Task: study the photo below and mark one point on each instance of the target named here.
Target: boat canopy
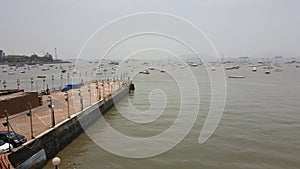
(71, 86)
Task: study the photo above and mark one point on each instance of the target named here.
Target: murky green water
(260, 127)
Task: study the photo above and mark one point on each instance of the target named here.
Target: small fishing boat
(267, 72)
(146, 72)
(45, 68)
(41, 76)
(254, 69)
(63, 71)
(22, 71)
(11, 73)
(193, 64)
(162, 71)
(213, 68)
(236, 67)
(236, 76)
(229, 68)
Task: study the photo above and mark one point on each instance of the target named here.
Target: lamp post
(67, 99)
(119, 88)
(91, 75)
(68, 76)
(56, 162)
(89, 90)
(113, 85)
(31, 86)
(18, 83)
(86, 76)
(103, 90)
(97, 88)
(6, 124)
(111, 89)
(52, 78)
(99, 92)
(50, 105)
(44, 84)
(4, 84)
(29, 114)
(61, 83)
(81, 99)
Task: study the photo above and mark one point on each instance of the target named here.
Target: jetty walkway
(78, 99)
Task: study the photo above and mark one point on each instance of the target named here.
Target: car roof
(5, 132)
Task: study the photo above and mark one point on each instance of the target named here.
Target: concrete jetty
(51, 132)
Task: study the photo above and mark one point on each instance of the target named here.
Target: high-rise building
(2, 55)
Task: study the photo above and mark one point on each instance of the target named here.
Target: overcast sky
(236, 27)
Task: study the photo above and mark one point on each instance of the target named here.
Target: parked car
(5, 147)
(13, 138)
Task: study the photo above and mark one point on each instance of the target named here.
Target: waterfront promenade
(42, 115)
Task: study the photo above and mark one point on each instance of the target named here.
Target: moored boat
(236, 76)
(11, 73)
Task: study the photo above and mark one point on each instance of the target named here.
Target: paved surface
(41, 116)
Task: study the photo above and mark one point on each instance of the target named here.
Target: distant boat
(4, 70)
(11, 73)
(297, 66)
(229, 68)
(193, 64)
(162, 71)
(45, 68)
(213, 68)
(253, 65)
(151, 68)
(254, 69)
(267, 72)
(146, 72)
(236, 76)
(41, 76)
(63, 71)
(22, 71)
(278, 70)
(236, 67)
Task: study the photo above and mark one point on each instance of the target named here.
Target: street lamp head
(4, 124)
(28, 114)
(66, 96)
(56, 161)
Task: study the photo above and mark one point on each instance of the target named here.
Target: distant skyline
(258, 28)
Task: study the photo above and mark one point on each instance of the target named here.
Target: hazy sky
(256, 27)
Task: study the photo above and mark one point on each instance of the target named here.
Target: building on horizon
(2, 55)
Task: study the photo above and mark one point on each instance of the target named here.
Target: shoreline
(32, 63)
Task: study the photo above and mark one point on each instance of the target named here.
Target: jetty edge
(36, 152)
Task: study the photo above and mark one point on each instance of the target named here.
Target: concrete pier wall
(55, 139)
